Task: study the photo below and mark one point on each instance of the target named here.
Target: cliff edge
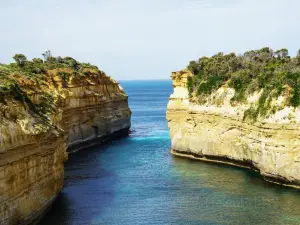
(46, 108)
(237, 118)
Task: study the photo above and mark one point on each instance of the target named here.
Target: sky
(145, 39)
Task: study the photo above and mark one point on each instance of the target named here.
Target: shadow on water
(232, 195)
(136, 180)
(250, 176)
(80, 200)
(60, 210)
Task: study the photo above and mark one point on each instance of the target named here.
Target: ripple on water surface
(136, 181)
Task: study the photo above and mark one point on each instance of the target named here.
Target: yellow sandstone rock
(215, 131)
(33, 149)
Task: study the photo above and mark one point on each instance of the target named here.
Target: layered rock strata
(216, 131)
(33, 147)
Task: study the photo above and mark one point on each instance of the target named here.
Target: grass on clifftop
(23, 79)
(275, 73)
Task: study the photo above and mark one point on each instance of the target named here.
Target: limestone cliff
(41, 117)
(216, 131)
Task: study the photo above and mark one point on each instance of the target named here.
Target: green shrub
(247, 73)
(190, 85)
(64, 76)
(295, 101)
(20, 59)
(21, 79)
(212, 83)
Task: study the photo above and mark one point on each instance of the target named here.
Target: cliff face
(217, 131)
(36, 130)
(94, 112)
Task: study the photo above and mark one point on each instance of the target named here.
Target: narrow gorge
(47, 109)
(240, 110)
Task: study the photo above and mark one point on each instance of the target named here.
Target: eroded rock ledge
(81, 111)
(215, 131)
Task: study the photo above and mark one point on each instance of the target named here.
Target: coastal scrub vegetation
(274, 73)
(24, 80)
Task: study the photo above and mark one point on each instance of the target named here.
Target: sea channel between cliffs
(46, 108)
(135, 180)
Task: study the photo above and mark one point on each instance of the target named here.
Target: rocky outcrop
(82, 111)
(216, 131)
(95, 112)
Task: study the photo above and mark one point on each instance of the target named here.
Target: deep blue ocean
(136, 181)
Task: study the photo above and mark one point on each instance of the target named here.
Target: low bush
(253, 71)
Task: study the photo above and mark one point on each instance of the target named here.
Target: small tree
(193, 67)
(282, 53)
(298, 53)
(285, 53)
(71, 62)
(20, 59)
(47, 55)
(37, 60)
(59, 59)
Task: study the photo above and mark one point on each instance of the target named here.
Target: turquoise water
(136, 181)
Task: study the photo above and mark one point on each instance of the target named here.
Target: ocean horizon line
(145, 80)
